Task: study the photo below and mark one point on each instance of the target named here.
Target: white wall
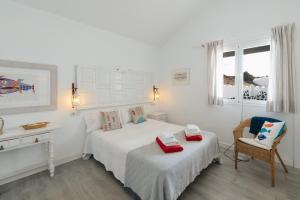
(31, 35)
(230, 20)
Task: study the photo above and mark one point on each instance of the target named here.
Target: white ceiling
(151, 21)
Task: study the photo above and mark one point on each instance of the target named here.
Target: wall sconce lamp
(155, 93)
(75, 97)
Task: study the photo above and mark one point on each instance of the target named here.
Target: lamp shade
(75, 100)
(75, 97)
(155, 93)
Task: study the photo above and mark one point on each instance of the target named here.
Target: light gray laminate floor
(88, 180)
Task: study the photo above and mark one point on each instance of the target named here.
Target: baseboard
(33, 169)
(286, 161)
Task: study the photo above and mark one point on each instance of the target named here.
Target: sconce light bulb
(155, 93)
(75, 100)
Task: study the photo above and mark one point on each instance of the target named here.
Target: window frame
(227, 48)
(239, 47)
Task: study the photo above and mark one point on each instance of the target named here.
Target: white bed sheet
(111, 148)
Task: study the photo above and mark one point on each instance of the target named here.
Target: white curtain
(215, 72)
(282, 95)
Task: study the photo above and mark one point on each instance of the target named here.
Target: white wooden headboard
(104, 87)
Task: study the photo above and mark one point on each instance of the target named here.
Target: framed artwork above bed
(27, 87)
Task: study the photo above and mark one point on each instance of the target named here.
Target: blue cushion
(257, 123)
(140, 119)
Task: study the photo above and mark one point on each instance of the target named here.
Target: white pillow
(125, 115)
(268, 133)
(92, 121)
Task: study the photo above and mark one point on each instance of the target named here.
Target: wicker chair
(267, 155)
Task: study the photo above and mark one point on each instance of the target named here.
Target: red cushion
(168, 149)
(193, 138)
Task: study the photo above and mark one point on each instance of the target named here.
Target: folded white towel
(192, 133)
(192, 128)
(166, 135)
(168, 139)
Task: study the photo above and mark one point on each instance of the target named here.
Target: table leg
(51, 158)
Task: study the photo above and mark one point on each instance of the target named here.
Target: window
(256, 73)
(229, 72)
(246, 72)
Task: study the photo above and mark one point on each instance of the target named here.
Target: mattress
(114, 148)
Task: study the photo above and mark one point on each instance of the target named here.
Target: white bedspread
(111, 148)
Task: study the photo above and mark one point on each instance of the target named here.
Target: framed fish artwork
(27, 87)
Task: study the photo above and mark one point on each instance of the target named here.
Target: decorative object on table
(27, 87)
(155, 93)
(160, 116)
(255, 149)
(35, 125)
(181, 76)
(1, 125)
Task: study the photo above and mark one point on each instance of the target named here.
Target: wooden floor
(88, 180)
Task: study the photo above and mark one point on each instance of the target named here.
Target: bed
(135, 159)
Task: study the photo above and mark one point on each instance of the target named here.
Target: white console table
(17, 138)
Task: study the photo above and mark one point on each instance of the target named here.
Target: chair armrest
(277, 140)
(238, 131)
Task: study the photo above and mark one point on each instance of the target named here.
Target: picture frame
(181, 76)
(27, 87)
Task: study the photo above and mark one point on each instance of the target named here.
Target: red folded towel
(168, 149)
(193, 138)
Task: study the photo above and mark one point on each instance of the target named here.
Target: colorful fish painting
(8, 86)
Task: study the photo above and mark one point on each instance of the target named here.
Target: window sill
(230, 102)
(245, 103)
(255, 103)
